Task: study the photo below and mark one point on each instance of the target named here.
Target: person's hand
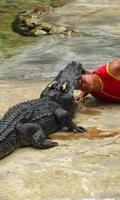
(80, 98)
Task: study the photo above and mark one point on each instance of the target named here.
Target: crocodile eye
(64, 87)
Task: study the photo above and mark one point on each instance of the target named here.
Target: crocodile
(34, 24)
(30, 123)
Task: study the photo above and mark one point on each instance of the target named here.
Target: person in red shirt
(103, 84)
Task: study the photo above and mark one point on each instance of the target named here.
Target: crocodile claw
(79, 129)
(48, 144)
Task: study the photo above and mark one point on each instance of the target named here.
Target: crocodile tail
(8, 134)
(8, 145)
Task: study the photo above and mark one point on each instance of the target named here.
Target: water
(96, 42)
(9, 41)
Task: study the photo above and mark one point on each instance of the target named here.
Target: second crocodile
(34, 23)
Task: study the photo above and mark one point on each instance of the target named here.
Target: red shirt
(110, 85)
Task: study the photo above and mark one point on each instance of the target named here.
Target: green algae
(10, 41)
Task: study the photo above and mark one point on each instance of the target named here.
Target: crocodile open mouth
(65, 82)
(77, 85)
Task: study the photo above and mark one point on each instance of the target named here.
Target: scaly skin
(33, 24)
(29, 123)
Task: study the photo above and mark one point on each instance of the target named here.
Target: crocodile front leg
(65, 119)
(32, 134)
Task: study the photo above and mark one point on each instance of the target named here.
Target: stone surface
(82, 166)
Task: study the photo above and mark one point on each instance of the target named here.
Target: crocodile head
(61, 90)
